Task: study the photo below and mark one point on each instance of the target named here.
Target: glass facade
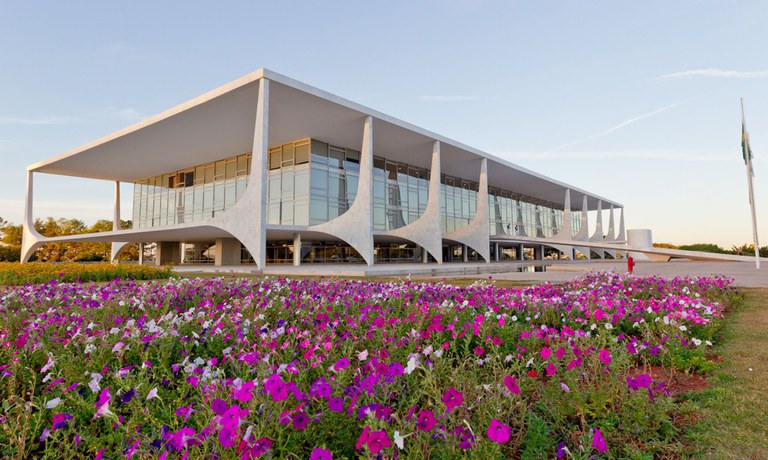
(310, 182)
(459, 202)
(400, 193)
(514, 214)
(190, 195)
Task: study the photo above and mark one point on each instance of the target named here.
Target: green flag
(745, 150)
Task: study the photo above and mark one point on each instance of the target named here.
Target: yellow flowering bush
(13, 273)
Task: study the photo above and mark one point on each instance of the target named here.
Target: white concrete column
(598, 235)
(496, 252)
(355, 226)
(427, 230)
(566, 231)
(227, 252)
(464, 253)
(622, 236)
(477, 234)
(611, 228)
(247, 219)
(117, 247)
(297, 249)
(30, 239)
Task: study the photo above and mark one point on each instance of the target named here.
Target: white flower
(399, 440)
(152, 394)
(411, 366)
(48, 365)
(363, 355)
(52, 403)
(683, 328)
(696, 341)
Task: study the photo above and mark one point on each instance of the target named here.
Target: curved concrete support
(30, 239)
(598, 235)
(611, 228)
(247, 219)
(355, 226)
(477, 233)
(427, 231)
(583, 234)
(566, 233)
(622, 236)
(117, 249)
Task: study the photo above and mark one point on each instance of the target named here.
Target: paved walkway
(744, 273)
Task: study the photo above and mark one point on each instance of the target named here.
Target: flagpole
(748, 161)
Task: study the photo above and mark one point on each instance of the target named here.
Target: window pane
(302, 153)
(319, 152)
(275, 158)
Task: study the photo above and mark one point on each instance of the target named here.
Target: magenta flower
(479, 351)
(551, 369)
(102, 404)
(545, 353)
(219, 406)
(452, 399)
(377, 441)
(336, 404)
(605, 357)
(498, 432)
(260, 447)
(244, 393)
(60, 421)
(300, 421)
(363, 439)
(511, 385)
(320, 454)
(425, 421)
(598, 442)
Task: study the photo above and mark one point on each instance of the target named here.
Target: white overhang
(220, 124)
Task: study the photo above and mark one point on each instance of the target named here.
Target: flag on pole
(746, 151)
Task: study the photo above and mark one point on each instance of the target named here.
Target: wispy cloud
(41, 120)
(617, 127)
(127, 114)
(455, 98)
(715, 72)
(625, 154)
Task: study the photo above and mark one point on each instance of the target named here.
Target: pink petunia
(605, 357)
(378, 441)
(551, 369)
(425, 421)
(511, 385)
(320, 454)
(452, 399)
(498, 432)
(598, 441)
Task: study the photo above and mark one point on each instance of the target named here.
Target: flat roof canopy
(220, 124)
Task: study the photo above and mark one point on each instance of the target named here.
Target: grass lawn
(734, 423)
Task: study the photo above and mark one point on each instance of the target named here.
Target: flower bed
(215, 368)
(13, 273)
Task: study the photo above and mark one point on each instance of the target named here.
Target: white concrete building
(269, 170)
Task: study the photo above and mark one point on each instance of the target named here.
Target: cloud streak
(626, 154)
(715, 72)
(617, 127)
(42, 120)
(455, 98)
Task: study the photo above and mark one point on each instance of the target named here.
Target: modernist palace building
(268, 170)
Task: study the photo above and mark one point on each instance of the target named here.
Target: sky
(634, 101)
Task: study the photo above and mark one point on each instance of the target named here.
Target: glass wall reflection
(190, 195)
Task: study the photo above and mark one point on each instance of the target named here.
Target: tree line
(10, 243)
(743, 250)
